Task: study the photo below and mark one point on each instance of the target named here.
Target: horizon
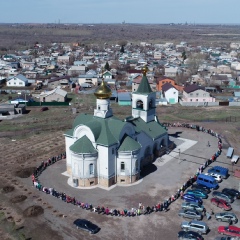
(130, 11)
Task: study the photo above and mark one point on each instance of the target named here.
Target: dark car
(198, 193)
(225, 238)
(232, 192)
(201, 187)
(226, 217)
(189, 235)
(223, 196)
(189, 213)
(44, 109)
(86, 225)
(191, 198)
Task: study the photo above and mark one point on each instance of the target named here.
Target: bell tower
(144, 100)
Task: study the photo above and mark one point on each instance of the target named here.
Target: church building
(104, 150)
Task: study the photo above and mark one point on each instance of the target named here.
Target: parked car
(208, 181)
(194, 206)
(44, 109)
(189, 235)
(232, 192)
(216, 176)
(190, 213)
(221, 204)
(197, 226)
(198, 193)
(226, 238)
(223, 196)
(219, 170)
(230, 231)
(86, 225)
(226, 217)
(201, 187)
(191, 198)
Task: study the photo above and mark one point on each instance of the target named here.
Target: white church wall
(68, 142)
(102, 161)
(111, 161)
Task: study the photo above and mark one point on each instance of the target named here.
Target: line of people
(141, 209)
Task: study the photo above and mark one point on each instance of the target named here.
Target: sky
(117, 11)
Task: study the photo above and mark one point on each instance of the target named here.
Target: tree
(107, 67)
(122, 49)
(194, 62)
(184, 55)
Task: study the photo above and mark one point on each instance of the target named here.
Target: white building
(170, 93)
(102, 149)
(17, 81)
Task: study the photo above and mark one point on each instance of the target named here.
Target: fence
(37, 104)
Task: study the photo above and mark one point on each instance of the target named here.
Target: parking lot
(160, 181)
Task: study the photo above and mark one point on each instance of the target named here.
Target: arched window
(140, 104)
(147, 151)
(122, 167)
(91, 168)
(150, 105)
(136, 165)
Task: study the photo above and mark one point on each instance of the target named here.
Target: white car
(215, 176)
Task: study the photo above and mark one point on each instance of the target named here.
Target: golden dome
(103, 91)
(144, 70)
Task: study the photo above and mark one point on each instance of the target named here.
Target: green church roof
(106, 131)
(83, 145)
(144, 86)
(129, 144)
(153, 129)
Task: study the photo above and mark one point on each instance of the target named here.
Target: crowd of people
(140, 209)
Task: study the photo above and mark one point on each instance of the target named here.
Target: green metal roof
(144, 87)
(69, 132)
(83, 145)
(153, 129)
(129, 144)
(106, 131)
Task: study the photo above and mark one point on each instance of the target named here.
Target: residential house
(197, 79)
(157, 55)
(56, 95)
(195, 93)
(224, 69)
(107, 75)
(63, 59)
(17, 81)
(124, 99)
(170, 93)
(218, 79)
(12, 109)
(27, 65)
(88, 78)
(171, 71)
(77, 69)
(162, 80)
(235, 66)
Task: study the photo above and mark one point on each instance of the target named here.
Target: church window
(140, 104)
(98, 107)
(91, 170)
(150, 104)
(122, 166)
(112, 150)
(136, 165)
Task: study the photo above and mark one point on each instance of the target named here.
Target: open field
(22, 36)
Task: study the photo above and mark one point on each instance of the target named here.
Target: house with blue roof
(17, 81)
